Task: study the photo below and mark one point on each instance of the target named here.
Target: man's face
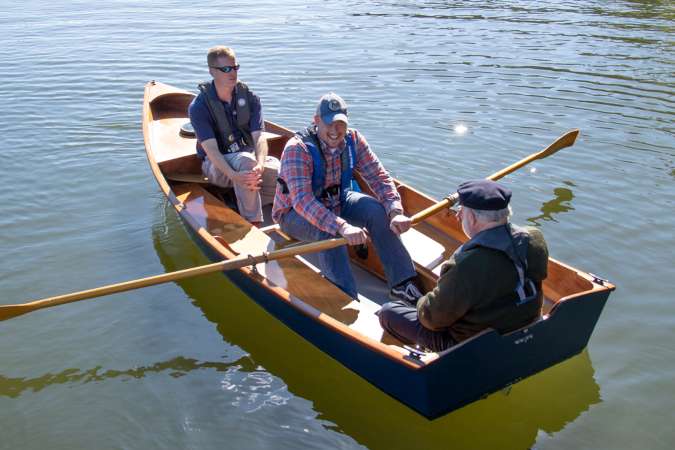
(227, 79)
(332, 134)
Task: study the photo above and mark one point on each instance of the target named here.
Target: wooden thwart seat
(188, 178)
(424, 251)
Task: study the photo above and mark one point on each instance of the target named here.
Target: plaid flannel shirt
(296, 170)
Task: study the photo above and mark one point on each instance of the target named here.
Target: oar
(9, 311)
(566, 140)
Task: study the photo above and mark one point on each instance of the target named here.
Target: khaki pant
(249, 202)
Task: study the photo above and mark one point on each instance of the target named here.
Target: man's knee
(215, 176)
(246, 161)
(387, 314)
(368, 210)
(377, 215)
(299, 228)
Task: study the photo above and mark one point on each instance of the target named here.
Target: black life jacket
(231, 137)
(513, 241)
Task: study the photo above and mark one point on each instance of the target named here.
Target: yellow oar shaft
(563, 141)
(9, 311)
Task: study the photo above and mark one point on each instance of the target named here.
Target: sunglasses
(226, 69)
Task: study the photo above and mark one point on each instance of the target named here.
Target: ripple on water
(80, 208)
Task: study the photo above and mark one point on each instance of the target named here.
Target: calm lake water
(198, 365)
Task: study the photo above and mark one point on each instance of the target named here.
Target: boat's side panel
(491, 361)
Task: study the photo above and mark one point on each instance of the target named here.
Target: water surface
(198, 364)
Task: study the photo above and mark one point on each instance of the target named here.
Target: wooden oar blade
(566, 140)
(11, 311)
(563, 141)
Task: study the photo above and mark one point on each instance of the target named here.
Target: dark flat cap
(483, 194)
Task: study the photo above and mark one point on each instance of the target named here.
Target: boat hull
(431, 384)
(481, 366)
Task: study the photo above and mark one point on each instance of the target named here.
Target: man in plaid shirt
(315, 200)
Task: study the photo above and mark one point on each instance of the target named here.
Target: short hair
(487, 216)
(218, 51)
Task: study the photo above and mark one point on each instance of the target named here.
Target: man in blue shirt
(227, 119)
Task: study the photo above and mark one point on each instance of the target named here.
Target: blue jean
(362, 211)
(401, 321)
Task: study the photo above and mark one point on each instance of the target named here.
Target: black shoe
(407, 292)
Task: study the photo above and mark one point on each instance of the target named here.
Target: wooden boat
(293, 290)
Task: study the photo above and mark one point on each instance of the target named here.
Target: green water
(198, 364)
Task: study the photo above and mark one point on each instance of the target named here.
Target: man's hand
(250, 179)
(259, 168)
(400, 223)
(354, 235)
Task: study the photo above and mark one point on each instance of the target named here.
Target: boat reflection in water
(15, 387)
(560, 204)
(544, 402)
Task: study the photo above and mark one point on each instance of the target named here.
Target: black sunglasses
(226, 69)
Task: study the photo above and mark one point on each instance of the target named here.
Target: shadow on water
(560, 204)
(349, 404)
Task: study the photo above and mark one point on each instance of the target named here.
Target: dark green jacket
(476, 290)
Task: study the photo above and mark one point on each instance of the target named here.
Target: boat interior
(210, 210)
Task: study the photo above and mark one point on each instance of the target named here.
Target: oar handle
(9, 311)
(563, 141)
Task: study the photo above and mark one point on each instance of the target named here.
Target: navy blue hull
(458, 377)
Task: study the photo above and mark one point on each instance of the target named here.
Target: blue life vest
(347, 159)
(513, 241)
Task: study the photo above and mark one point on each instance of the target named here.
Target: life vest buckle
(331, 191)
